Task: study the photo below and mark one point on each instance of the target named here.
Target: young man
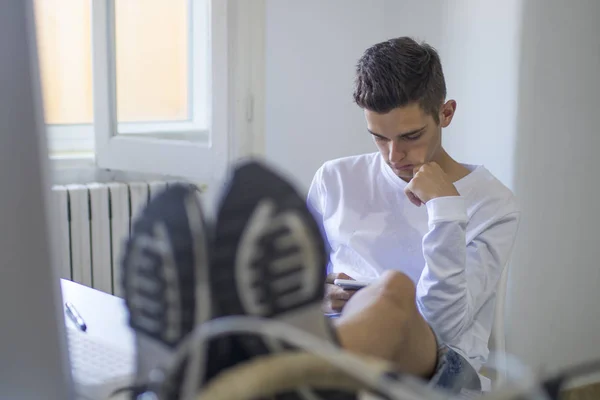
(263, 256)
(410, 207)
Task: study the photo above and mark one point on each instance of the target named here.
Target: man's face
(407, 137)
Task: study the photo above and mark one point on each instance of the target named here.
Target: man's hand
(429, 182)
(336, 297)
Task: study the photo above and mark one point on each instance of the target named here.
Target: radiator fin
(92, 223)
(81, 249)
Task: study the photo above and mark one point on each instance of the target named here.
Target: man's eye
(414, 136)
(380, 139)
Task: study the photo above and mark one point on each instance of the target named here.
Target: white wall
(312, 48)
(554, 310)
(480, 56)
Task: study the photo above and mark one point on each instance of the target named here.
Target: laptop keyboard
(94, 363)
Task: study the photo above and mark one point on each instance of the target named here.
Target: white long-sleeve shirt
(454, 249)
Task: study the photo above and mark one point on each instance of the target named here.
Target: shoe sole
(259, 203)
(166, 282)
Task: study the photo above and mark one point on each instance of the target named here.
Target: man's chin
(403, 174)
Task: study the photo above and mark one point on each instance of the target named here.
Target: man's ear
(447, 113)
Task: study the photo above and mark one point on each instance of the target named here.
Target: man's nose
(397, 151)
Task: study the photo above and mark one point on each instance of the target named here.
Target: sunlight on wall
(152, 60)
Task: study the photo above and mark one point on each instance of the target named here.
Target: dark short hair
(399, 72)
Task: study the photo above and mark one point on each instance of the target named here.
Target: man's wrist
(450, 192)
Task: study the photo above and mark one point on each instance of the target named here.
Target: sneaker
(167, 291)
(269, 260)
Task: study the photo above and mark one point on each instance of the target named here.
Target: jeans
(453, 372)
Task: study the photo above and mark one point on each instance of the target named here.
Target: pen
(75, 316)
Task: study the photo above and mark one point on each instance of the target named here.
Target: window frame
(235, 102)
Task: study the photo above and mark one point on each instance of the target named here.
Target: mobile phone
(350, 284)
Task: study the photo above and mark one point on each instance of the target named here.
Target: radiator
(92, 223)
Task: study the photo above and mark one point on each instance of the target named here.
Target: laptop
(101, 357)
(41, 355)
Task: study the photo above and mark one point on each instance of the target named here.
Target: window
(151, 85)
